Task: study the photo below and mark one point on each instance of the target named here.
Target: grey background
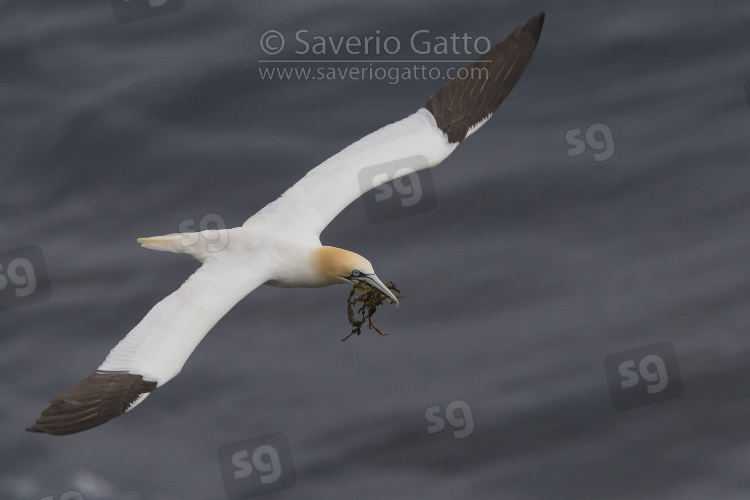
(533, 267)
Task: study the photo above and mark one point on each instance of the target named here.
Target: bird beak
(373, 280)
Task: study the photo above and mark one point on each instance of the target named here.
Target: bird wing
(419, 141)
(156, 349)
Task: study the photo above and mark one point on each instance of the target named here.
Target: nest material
(370, 299)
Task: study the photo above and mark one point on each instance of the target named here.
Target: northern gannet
(280, 245)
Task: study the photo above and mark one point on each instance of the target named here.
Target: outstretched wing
(419, 141)
(156, 349)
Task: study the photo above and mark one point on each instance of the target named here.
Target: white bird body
(277, 246)
(280, 245)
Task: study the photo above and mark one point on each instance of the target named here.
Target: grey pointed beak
(373, 280)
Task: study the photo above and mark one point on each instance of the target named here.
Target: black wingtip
(98, 398)
(467, 101)
(534, 25)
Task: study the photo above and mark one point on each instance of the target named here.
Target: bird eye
(356, 273)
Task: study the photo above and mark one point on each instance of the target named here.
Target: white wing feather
(313, 202)
(161, 343)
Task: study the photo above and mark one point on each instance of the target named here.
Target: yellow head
(336, 265)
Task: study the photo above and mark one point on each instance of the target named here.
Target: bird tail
(198, 245)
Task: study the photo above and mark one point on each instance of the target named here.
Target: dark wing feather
(100, 397)
(464, 102)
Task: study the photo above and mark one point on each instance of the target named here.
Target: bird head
(342, 266)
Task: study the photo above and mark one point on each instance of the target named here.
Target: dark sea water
(535, 274)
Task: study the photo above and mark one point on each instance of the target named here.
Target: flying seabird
(280, 245)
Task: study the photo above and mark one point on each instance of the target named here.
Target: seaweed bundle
(370, 299)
